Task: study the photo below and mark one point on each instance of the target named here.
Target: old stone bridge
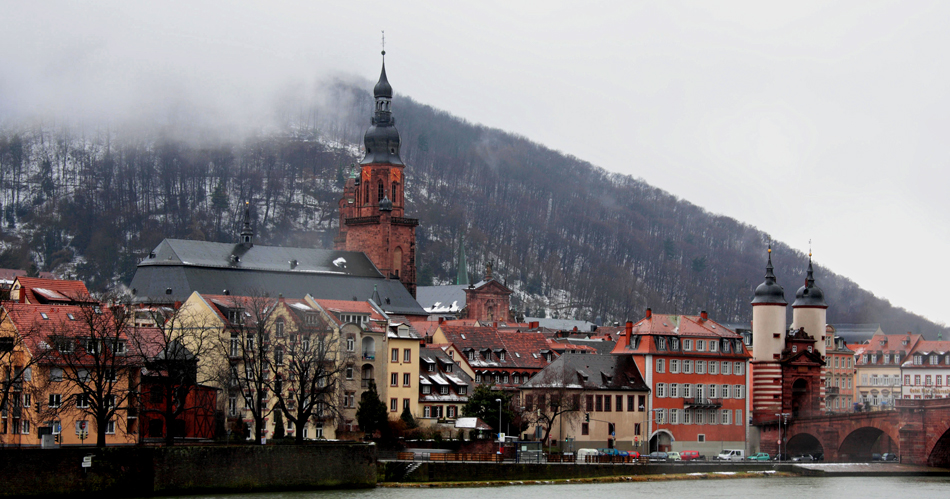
(918, 431)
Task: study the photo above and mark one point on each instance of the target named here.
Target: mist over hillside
(573, 240)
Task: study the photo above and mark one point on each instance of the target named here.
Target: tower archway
(860, 444)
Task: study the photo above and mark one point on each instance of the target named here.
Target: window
(394, 355)
(674, 390)
(27, 400)
(607, 403)
(502, 356)
(450, 412)
(427, 411)
(724, 391)
(55, 374)
(110, 427)
(674, 344)
(279, 328)
(349, 372)
(478, 378)
(234, 346)
(405, 404)
(674, 416)
(713, 366)
(687, 417)
(599, 407)
(700, 367)
(443, 389)
(279, 355)
(739, 391)
(726, 367)
(661, 416)
(927, 380)
(118, 347)
(393, 404)
(918, 360)
(232, 405)
(701, 437)
(712, 391)
(55, 400)
(688, 366)
(82, 401)
(631, 403)
(426, 389)
(713, 345)
(688, 345)
(619, 404)
(661, 390)
(687, 391)
(916, 380)
(874, 358)
(25, 428)
(933, 360)
(699, 391)
(394, 379)
(585, 428)
(405, 379)
(738, 369)
(739, 416)
(674, 366)
(462, 390)
(641, 403)
(698, 419)
(700, 345)
(659, 366)
(350, 343)
(407, 355)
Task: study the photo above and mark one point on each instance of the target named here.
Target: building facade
(877, 377)
(926, 371)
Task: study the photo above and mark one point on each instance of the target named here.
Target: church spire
(769, 292)
(381, 140)
(462, 277)
(247, 234)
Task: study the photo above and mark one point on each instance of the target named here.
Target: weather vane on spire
(384, 42)
(770, 243)
(809, 248)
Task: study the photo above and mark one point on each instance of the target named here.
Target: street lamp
(499, 425)
(782, 421)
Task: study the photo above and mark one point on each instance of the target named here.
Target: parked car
(634, 455)
(658, 457)
(692, 455)
(804, 458)
(890, 456)
(673, 456)
(876, 457)
(780, 457)
(760, 456)
(731, 455)
(582, 454)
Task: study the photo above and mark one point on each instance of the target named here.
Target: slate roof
(441, 299)
(562, 324)
(926, 348)
(856, 333)
(590, 372)
(186, 266)
(454, 379)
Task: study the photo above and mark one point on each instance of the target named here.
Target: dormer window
(918, 360)
(674, 344)
(501, 356)
(236, 316)
(933, 360)
(874, 358)
(661, 343)
(887, 358)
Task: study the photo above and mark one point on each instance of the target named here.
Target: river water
(770, 488)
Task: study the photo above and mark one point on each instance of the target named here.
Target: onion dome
(381, 140)
(385, 204)
(769, 292)
(383, 88)
(809, 295)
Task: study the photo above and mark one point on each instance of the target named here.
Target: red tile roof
(523, 350)
(674, 326)
(37, 290)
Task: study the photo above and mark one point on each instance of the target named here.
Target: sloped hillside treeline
(570, 238)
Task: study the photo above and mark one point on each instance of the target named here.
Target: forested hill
(571, 239)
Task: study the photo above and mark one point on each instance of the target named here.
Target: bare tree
(551, 394)
(247, 346)
(170, 350)
(21, 350)
(90, 366)
(310, 361)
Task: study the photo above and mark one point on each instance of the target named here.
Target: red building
(697, 369)
(372, 209)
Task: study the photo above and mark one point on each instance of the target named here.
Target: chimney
(177, 305)
(704, 316)
(441, 320)
(534, 324)
(649, 313)
(629, 328)
(494, 324)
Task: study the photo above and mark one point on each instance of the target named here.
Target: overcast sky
(822, 121)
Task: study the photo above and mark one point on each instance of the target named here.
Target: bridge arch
(938, 450)
(864, 441)
(804, 443)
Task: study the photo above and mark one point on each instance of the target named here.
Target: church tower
(809, 309)
(372, 209)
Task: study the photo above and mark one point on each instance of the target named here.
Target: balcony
(702, 403)
(831, 390)
(369, 356)
(372, 220)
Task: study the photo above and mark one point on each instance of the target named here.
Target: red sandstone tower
(372, 209)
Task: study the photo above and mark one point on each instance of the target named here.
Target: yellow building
(877, 377)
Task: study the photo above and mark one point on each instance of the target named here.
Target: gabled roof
(442, 299)
(590, 372)
(927, 347)
(676, 326)
(37, 290)
(523, 350)
(336, 308)
(888, 343)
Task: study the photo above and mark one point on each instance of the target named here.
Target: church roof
(178, 267)
(442, 299)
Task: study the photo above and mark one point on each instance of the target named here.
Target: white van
(731, 455)
(583, 453)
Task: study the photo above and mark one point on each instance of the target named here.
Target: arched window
(369, 348)
(397, 261)
(395, 190)
(380, 198)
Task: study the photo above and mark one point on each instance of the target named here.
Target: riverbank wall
(142, 471)
(423, 471)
